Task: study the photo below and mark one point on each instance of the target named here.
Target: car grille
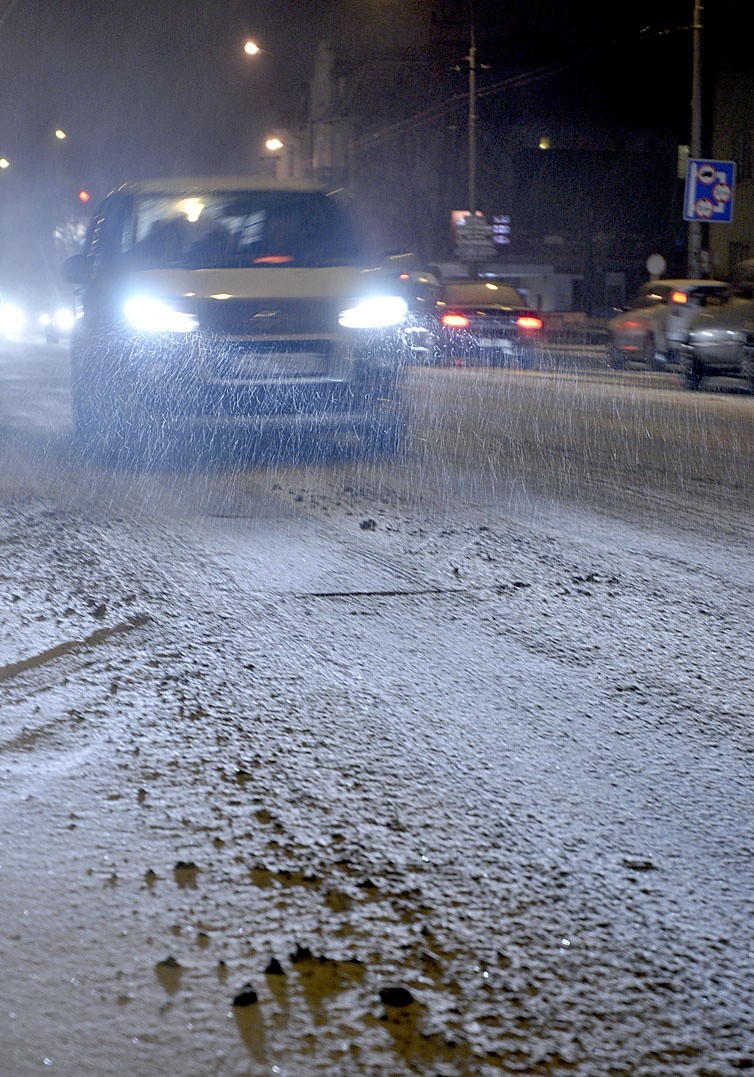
(267, 318)
(270, 360)
(268, 341)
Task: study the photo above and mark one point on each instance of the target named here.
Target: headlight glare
(63, 319)
(12, 319)
(376, 312)
(151, 315)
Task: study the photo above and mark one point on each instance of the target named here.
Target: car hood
(322, 282)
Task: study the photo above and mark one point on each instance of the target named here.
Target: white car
(216, 303)
(655, 324)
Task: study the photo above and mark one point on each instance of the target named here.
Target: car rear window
(482, 293)
(264, 229)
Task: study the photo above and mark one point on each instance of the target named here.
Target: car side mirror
(76, 269)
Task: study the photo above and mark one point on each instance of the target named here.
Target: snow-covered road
(430, 767)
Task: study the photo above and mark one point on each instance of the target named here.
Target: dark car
(56, 323)
(216, 303)
(486, 322)
(422, 291)
(720, 339)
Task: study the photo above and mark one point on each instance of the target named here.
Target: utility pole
(694, 258)
(472, 112)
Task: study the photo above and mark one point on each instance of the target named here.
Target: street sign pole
(694, 254)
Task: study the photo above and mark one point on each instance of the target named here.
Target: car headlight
(62, 319)
(12, 319)
(376, 312)
(151, 315)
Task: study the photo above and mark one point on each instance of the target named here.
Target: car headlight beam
(12, 319)
(375, 312)
(151, 315)
(63, 319)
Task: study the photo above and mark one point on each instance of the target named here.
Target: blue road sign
(709, 191)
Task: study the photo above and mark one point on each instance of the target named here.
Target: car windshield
(650, 299)
(242, 228)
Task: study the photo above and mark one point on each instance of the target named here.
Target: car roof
(207, 184)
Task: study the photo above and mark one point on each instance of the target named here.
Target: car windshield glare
(223, 230)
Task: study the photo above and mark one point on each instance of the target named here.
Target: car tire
(693, 371)
(648, 352)
(387, 438)
(526, 357)
(747, 367)
(107, 421)
(615, 358)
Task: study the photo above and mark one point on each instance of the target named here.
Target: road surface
(440, 765)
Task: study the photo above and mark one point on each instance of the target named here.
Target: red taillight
(679, 297)
(455, 321)
(529, 322)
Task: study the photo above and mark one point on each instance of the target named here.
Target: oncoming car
(56, 324)
(245, 303)
(651, 330)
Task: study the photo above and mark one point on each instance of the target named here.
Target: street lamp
(251, 48)
(289, 150)
(4, 162)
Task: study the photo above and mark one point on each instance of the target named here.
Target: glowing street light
(290, 150)
(60, 134)
(4, 162)
(251, 48)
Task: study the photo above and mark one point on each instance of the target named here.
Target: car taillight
(455, 321)
(679, 297)
(529, 321)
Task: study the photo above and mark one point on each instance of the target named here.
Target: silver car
(720, 339)
(651, 330)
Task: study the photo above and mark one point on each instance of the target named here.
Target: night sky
(154, 87)
(146, 86)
